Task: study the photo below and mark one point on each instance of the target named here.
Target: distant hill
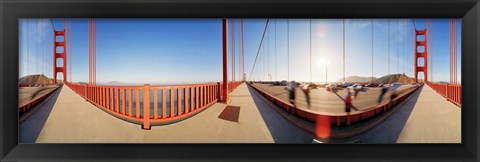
(357, 79)
(400, 78)
(35, 79)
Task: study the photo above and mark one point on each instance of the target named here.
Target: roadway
(28, 94)
(327, 102)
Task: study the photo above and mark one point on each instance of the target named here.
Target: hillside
(35, 79)
(400, 78)
(357, 79)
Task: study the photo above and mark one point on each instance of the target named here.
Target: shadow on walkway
(388, 131)
(33, 124)
(37, 92)
(280, 128)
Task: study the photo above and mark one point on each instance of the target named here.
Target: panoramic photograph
(298, 81)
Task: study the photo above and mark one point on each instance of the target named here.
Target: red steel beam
(225, 59)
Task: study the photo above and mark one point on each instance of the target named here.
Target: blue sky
(177, 51)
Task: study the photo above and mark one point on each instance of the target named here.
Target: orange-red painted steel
(452, 92)
(225, 60)
(62, 55)
(423, 54)
(113, 99)
(27, 106)
(337, 120)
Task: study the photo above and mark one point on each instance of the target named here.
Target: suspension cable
(36, 42)
(258, 51)
(310, 50)
(343, 50)
(243, 52)
(414, 26)
(388, 40)
(28, 49)
(233, 49)
(268, 54)
(398, 47)
(41, 46)
(275, 49)
(288, 49)
(372, 50)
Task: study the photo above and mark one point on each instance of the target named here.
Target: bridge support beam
(225, 60)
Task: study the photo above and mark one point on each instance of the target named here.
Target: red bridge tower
(418, 54)
(62, 55)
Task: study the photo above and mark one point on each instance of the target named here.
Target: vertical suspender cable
(404, 45)
(398, 47)
(36, 41)
(388, 40)
(372, 50)
(275, 49)
(28, 50)
(94, 52)
(310, 50)
(45, 48)
(343, 50)
(70, 49)
(243, 53)
(89, 51)
(65, 49)
(233, 50)
(288, 50)
(41, 46)
(455, 51)
(450, 35)
(451, 51)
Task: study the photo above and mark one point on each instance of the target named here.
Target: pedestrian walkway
(433, 120)
(70, 119)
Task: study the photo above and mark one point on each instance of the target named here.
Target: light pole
(323, 62)
(326, 80)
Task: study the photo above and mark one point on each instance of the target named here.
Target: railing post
(86, 93)
(446, 92)
(218, 92)
(146, 107)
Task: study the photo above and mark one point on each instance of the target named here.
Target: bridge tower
(60, 55)
(424, 54)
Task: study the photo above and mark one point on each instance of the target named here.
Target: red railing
(234, 85)
(336, 118)
(452, 92)
(27, 106)
(167, 104)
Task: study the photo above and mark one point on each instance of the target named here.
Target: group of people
(348, 96)
(291, 94)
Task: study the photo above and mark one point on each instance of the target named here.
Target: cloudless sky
(178, 51)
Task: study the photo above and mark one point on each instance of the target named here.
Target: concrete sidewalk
(73, 120)
(433, 120)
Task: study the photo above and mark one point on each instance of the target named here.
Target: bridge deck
(432, 120)
(326, 102)
(28, 94)
(68, 118)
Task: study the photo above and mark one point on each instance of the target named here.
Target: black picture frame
(12, 10)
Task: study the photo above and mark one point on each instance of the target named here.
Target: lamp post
(324, 62)
(326, 74)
